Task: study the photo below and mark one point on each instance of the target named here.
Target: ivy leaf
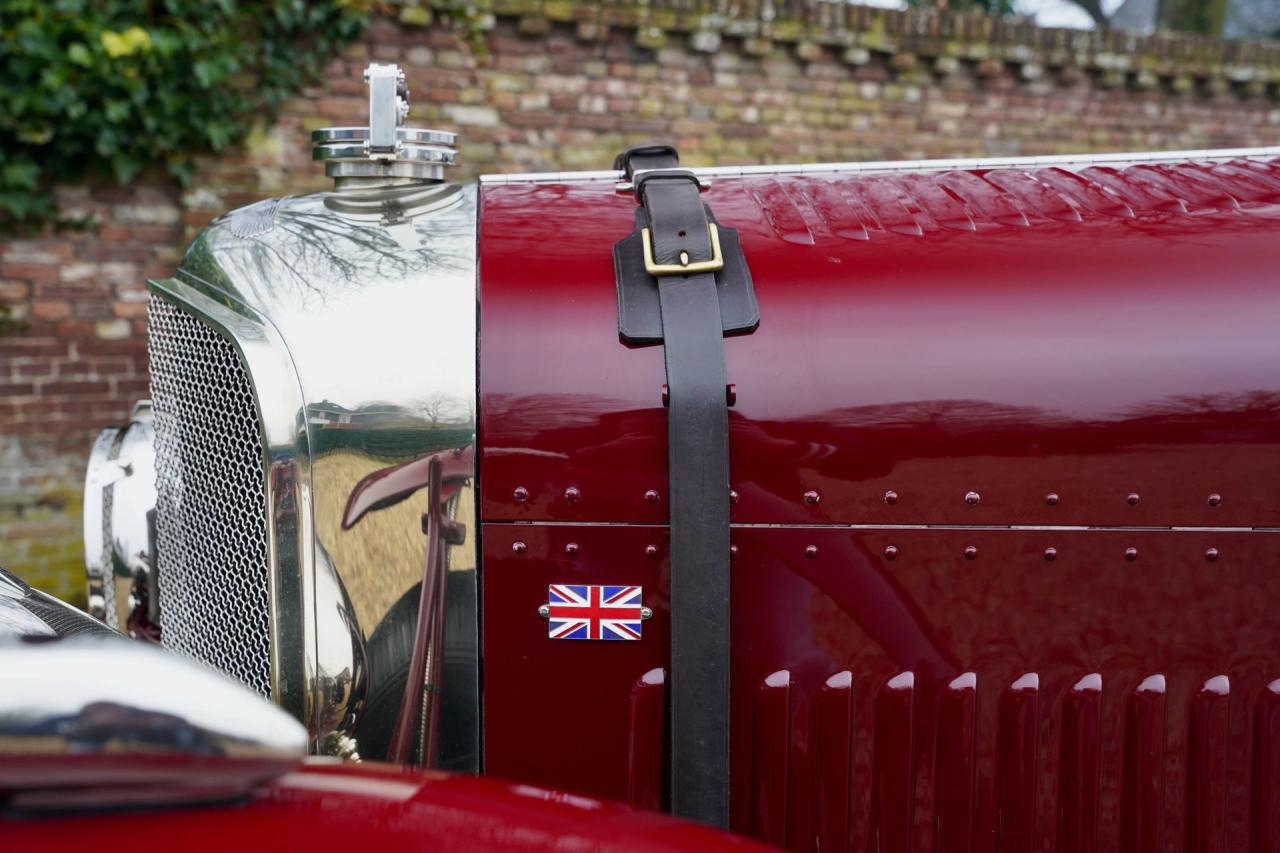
(21, 175)
(112, 86)
(126, 43)
(80, 55)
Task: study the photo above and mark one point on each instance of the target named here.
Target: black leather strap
(651, 155)
(698, 459)
(692, 331)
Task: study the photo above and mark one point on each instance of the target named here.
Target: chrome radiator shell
(358, 337)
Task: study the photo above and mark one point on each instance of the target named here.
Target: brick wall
(566, 85)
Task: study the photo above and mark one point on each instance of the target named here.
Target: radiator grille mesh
(211, 507)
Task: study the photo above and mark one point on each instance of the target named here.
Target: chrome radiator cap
(384, 149)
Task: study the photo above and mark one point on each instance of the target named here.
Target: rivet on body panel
(571, 549)
(731, 394)
(521, 494)
(971, 552)
(518, 548)
(1211, 554)
(651, 496)
(891, 497)
(1215, 499)
(811, 551)
(1131, 554)
(733, 551)
(572, 494)
(972, 498)
(890, 552)
(811, 497)
(651, 551)
(733, 496)
(1133, 498)
(1051, 554)
(1051, 499)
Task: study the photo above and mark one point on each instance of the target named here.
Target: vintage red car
(869, 506)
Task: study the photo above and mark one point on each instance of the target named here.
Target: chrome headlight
(119, 524)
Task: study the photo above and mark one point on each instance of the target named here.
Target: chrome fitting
(384, 149)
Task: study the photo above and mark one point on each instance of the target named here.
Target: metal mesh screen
(211, 508)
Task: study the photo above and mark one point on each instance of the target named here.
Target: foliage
(110, 87)
(1193, 16)
(990, 7)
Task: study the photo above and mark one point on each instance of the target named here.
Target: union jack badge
(588, 612)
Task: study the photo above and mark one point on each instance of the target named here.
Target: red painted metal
(1093, 359)
(955, 764)
(943, 361)
(1078, 824)
(770, 755)
(645, 754)
(1141, 805)
(328, 806)
(833, 746)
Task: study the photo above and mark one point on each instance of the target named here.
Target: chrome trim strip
(287, 473)
(1071, 162)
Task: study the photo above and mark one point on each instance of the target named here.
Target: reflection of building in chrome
(433, 410)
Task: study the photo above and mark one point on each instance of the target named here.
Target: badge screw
(1211, 554)
(646, 613)
(972, 498)
(545, 611)
(521, 494)
(518, 548)
(1215, 499)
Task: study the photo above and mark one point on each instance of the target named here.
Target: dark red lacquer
(975, 410)
(376, 807)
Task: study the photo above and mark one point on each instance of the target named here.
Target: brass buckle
(685, 267)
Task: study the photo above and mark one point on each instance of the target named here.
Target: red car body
(1004, 451)
(331, 806)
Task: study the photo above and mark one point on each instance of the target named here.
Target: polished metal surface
(27, 612)
(119, 494)
(101, 721)
(384, 150)
(1069, 162)
(357, 336)
(211, 517)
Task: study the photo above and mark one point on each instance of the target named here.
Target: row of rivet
(811, 497)
(890, 551)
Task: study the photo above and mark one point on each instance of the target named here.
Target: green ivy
(110, 87)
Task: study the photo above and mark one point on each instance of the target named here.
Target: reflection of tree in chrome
(441, 407)
(311, 252)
